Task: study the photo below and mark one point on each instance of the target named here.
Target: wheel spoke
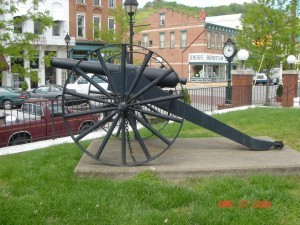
(106, 71)
(160, 115)
(93, 82)
(123, 141)
(88, 97)
(151, 84)
(138, 137)
(105, 140)
(159, 99)
(149, 127)
(140, 72)
(123, 71)
(95, 126)
(90, 112)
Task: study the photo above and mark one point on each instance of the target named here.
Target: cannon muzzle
(172, 80)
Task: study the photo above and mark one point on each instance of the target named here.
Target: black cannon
(137, 108)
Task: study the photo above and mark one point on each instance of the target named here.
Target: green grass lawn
(39, 187)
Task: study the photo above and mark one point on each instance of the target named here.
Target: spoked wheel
(132, 110)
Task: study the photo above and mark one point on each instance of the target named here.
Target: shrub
(24, 86)
(187, 95)
(279, 90)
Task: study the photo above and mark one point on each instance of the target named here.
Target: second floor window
(161, 40)
(111, 3)
(80, 1)
(145, 40)
(216, 40)
(37, 28)
(56, 28)
(162, 19)
(18, 24)
(222, 39)
(209, 39)
(183, 39)
(111, 24)
(172, 40)
(97, 26)
(97, 2)
(80, 26)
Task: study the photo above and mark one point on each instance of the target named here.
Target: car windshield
(260, 76)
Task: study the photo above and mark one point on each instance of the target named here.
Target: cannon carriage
(142, 100)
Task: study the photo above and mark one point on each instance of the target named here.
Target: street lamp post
(291, 59)
(243, 55)
(131, 8)
(67, 40)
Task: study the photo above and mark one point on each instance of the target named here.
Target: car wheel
(84, 128)
(20, 140)
(8, 104)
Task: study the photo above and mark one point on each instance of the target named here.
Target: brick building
(87, 18)
(191, 45)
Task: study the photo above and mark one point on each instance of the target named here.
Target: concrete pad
(199, 157)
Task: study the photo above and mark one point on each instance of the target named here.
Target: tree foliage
(266, 33)
(194, 11)
(19, 45)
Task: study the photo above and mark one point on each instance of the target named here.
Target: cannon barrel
(95, 67)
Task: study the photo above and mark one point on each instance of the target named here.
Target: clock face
(229, 50)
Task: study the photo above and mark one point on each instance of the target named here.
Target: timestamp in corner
(243, 204)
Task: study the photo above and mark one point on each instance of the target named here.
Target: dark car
(10, 96)
(47, 91)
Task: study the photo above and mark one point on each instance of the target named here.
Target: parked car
(47, 91)
(40, 120)
(261, 78)
(81, 85)
(10, 97)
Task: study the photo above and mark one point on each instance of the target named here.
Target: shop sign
(206, 58)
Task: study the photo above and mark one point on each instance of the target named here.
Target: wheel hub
(122, 106)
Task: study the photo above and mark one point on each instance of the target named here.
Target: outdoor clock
(229, 49)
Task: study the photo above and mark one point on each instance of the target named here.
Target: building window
(145, 40)
(172, 40)
(162, 19)
(96, 26)
(18, 24)
(111, 24)
(183, 39)
(80, 1)
(161, 40)
(56, 28)
(216, 40)
(209, 39)
(80, 26)
(222, 40)
(37, 27)
(97, 2)
(34, 64)
(111, 3)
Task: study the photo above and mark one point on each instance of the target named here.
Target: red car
(40, 120)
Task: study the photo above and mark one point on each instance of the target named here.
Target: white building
(52, 40)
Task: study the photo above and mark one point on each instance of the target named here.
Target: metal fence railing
(210, 98)
(44, 121)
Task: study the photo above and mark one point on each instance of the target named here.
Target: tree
(120, 34)
(18, 45)
(266, 34)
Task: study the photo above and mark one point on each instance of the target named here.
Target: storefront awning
(3, 64)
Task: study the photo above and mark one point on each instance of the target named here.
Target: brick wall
(176, 22)
(241, 87)
(290, 85)
(89, 10)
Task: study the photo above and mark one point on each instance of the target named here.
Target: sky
(200, 3)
